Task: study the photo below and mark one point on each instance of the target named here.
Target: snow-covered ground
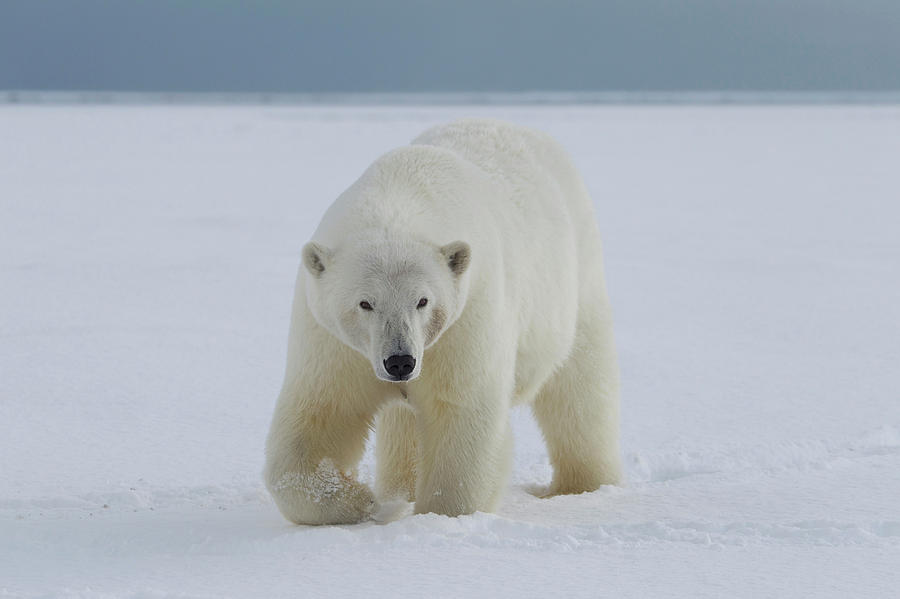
(147, 258)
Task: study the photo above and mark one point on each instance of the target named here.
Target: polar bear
(457, 277)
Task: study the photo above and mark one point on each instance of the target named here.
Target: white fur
(492, 225)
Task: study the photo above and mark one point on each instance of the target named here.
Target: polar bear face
(390, 301)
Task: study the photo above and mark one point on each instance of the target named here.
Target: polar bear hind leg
(578, 410)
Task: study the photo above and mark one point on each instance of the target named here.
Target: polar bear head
(389, 300)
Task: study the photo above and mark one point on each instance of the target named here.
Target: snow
(147, 258)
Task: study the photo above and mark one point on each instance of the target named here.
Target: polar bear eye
(422, 302)
(365, 305)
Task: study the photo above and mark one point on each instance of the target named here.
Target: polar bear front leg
(464, 457)
(395, 453)
(311, 452)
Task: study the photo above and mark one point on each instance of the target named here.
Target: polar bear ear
(458, 255)
(315, 258)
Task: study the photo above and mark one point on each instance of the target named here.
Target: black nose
(399, 367)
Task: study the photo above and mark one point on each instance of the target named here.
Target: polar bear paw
(324, 496)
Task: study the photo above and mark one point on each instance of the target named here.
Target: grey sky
(449, 45)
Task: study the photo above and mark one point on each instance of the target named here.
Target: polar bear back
(540, 178)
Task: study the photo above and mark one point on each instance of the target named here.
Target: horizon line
(536, 97)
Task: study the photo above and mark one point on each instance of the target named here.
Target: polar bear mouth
(400, 379)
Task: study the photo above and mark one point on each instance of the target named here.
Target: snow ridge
(778, 457)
